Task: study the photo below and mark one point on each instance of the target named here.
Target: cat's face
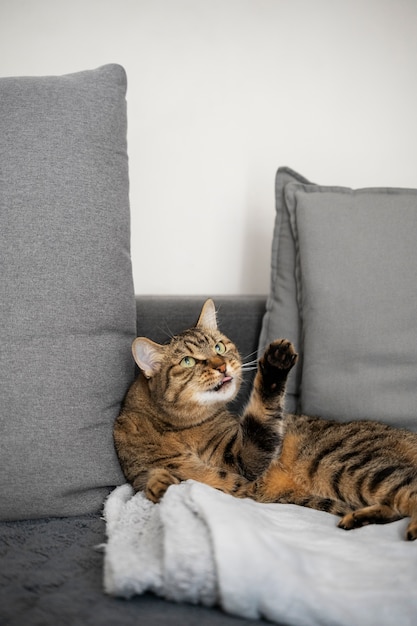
(203, 366)
(199, 366)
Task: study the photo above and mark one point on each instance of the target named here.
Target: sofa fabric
(67, 305)
(348, 300)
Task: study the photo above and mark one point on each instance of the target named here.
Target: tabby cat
(174, 425)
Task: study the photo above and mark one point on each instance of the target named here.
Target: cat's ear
(208, 318)
(148, 355)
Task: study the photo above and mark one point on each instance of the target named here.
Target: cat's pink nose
(218, 364)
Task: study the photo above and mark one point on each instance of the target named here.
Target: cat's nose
(218, 364)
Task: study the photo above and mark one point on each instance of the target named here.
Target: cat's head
(199, 366)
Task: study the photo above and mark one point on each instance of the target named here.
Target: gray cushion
(354, 273)
(67, 306)
(282, 318)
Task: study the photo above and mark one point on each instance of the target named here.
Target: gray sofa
(68, 317)
(51, 570)
(343, 289)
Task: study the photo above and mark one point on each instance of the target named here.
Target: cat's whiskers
(250, 365)
(166, 331)
(250, 354)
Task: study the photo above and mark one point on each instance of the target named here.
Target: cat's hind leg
(411, 533)
(403, 505)
(374, 514)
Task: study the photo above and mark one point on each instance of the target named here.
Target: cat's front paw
(238, 487)
(158, 482)
(280, 354)
(275, 365)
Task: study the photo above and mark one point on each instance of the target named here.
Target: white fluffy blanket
(288, 564)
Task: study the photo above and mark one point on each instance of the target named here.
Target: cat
(174, 426)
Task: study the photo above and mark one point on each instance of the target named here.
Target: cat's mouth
(222, 383)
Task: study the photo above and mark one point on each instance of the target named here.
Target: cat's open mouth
(222, 383)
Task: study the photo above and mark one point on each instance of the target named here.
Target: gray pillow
(354, 272)
(282, 317)
(67, 305)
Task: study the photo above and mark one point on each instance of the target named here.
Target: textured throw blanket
(288, 564)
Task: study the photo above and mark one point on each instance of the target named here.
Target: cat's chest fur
(159, 432)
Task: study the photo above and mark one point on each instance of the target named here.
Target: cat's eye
(220, 348)
(187, 361)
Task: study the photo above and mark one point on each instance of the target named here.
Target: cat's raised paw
(281, 354)
(275, 365)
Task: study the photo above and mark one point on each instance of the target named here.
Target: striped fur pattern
(174, 425)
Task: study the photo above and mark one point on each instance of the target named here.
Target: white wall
(222, 92)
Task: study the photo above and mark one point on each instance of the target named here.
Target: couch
(51, 569)
(69, 316)
(342, 288)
